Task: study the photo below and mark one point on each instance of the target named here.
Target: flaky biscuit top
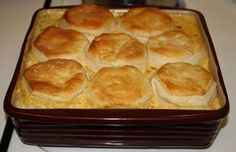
(89, 18)
(176, 46)
(119, 86)
(56, 79)
(175, 43)
(184, 79)
(55, 42)
(116, 49)
(146, 21)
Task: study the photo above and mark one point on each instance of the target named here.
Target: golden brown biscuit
(56, 79)
(184, 84)
(55, 42)
(116, 50)
(90, 19)
(145, 22)
(175, 46)
(119, 87)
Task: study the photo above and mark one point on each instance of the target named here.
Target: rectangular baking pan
(131, 128)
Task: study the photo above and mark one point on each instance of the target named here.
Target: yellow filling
(22, 98)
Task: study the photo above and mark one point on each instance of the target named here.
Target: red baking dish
(132, 128)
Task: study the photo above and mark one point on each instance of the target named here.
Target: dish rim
(116, 116)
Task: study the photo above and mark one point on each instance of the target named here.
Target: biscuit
(119, 87)
(56, 79)
(55, 42)
(116, 50)
(184, 84)
(145, 22)
(90, 19)
(175, 46)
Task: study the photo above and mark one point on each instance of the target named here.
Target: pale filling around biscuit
(193, 100)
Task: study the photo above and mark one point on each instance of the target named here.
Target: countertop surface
(220, 15)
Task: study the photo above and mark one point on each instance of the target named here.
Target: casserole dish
(132, 128)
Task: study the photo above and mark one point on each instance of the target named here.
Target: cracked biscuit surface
(176, 46)
(183, 83)
(145, 22)
(56, 79)
(119, 87)
(116, 49)
(55, 42)
(90, 19)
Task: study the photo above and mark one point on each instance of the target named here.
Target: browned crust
(184, 79)
(116, 46)
(146, 21)
(119, 86)
(88, 16)
(55, 78)
(56, 42)
(175, 43)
